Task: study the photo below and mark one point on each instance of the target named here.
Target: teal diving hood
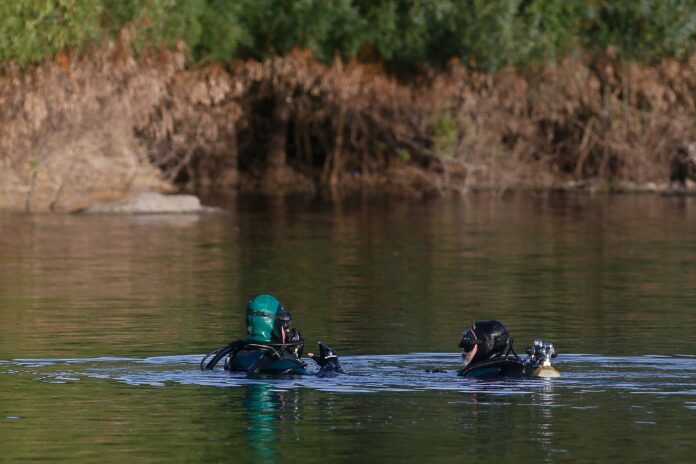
(266, 319)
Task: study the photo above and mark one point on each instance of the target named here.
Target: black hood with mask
(485, 340)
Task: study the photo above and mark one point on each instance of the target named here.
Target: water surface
(103, 321)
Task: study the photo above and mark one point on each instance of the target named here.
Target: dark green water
(103, 321)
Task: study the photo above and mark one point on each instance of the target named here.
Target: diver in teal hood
(271, 346)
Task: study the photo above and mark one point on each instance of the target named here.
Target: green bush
(641, 29)
(274, 27)
(485, 34)
(31, 30)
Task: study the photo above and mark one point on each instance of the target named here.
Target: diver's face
(283, 320)
(469, 346)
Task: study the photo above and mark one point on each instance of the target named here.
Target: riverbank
(107, 125)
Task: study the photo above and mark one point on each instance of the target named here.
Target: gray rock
(152, 203)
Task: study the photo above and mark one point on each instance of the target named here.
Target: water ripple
(582, 373)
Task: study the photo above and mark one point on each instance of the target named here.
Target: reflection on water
(93, 311)
(607, 403)
(544, 422)
(263, 406)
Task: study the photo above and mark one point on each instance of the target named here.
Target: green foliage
(642, 29)
(31, 30)
(485, 34)
(157, 21)
(221, 31)
(446, 134)
(274, 27)
(404, 154)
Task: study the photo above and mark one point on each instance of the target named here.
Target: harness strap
(274, 344)
(266, 358)
(511, 349)
(262, 314)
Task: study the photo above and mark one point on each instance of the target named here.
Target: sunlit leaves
(484, 34)
(31, 30)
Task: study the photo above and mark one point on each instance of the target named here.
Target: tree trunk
(334, 160)
(279, 178)
(276, 156)
(228, 171)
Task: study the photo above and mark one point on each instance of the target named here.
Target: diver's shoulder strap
(511, 349)
(270, 348)
(266, 358)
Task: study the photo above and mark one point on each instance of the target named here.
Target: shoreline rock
(152, 203)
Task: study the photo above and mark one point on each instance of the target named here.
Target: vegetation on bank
(483, 34)
(275, 95)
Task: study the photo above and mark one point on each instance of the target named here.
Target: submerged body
(499, 367)
(254, 359)
(266, 361)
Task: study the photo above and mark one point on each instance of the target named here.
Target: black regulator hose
(217, 356)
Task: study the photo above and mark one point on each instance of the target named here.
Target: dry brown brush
(66, 128)
(76, 130)
(302, 125)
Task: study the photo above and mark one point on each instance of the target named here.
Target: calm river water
(103, 321)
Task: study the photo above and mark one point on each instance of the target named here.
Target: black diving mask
(281, 327)
(469, 341)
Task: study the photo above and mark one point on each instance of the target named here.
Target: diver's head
(266, 319)
(484, 340)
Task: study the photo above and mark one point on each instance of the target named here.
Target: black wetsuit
(500, 366)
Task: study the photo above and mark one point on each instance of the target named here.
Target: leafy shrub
(31, 30)
(484, 34)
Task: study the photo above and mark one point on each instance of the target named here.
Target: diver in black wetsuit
(487, 352)
(271, 347)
